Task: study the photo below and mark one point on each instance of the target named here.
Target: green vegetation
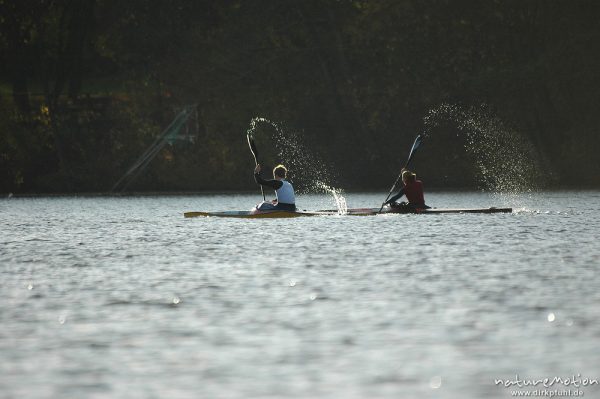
(87, 85)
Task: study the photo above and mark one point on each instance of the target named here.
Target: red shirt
(414, 192)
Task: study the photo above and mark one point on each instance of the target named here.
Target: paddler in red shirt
(413, 189)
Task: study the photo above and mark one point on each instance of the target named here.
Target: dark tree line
(87, 85)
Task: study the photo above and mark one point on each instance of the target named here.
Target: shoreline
(249, 192)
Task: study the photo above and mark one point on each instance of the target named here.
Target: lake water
(124, 298)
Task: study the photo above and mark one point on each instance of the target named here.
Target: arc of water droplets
(506, 161)
(303, 164)
(256, 120)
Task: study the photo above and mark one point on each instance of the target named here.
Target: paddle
(415, 145)
(254, 152)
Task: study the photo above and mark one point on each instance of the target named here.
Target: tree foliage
(86, 85)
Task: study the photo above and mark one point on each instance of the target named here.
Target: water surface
(124, 298)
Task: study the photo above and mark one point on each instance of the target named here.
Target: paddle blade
(254, 154)
(252, 148)
(416, 145)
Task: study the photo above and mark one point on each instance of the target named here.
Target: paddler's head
(279, 172)
(408, 176)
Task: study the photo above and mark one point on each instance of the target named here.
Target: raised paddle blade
(416, 145)
(254, 154)
(252, 148)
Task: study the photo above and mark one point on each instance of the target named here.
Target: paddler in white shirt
(286, 199)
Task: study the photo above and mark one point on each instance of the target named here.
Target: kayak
(272, 214)
(257, 214)
(429, 211)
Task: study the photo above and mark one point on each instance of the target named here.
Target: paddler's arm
(274, 184)
(397, 196)
(400, 193)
